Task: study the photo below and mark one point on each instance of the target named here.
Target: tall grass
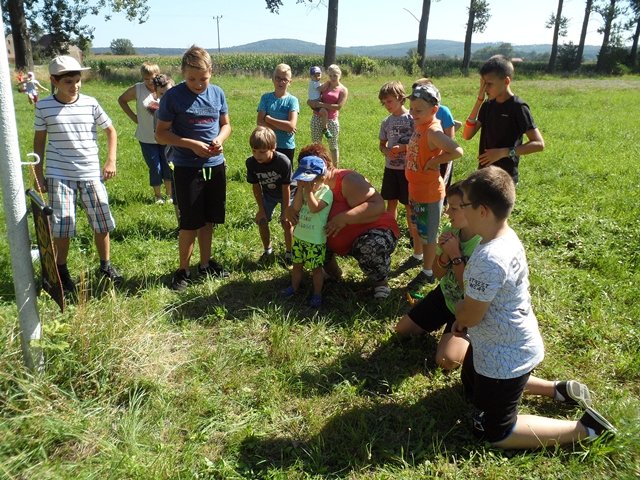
(228, 380)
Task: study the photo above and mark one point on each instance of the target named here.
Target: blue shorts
(270, 203)
(63, 197)
(426, 217)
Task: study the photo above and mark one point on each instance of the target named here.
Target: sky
(360, 23)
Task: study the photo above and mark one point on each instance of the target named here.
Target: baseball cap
(427, 92)
(309, 168)
(64, 64)
(315, 70)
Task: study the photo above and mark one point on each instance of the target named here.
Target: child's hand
(458, 330)
(394, 152)
(215, 148)
(483, 86)
(109, 170)
(491, 156)
(450, 245)
(261, 217)
(432, 164)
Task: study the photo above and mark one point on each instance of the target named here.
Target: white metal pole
(15, 209)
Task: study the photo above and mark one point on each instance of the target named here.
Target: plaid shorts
(63, 197)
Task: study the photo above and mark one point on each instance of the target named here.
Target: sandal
(287, 292)
(381, 292)
(316, 301)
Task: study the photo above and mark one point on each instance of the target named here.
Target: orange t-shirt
(425, 186)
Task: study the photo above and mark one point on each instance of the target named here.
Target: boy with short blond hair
(73, 167)
(428, 148)
(270, 174)
(497, 317)
(194, 118)
(504, 118)
(279, 110)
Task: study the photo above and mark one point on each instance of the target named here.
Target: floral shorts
(310, 255)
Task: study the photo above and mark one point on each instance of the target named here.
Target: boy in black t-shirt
(270, 174)
(504, 118)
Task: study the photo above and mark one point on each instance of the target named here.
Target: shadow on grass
(362, 438)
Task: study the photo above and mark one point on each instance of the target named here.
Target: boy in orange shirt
(428, 148)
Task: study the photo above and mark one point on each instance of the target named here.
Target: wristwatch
(512, 152)
(458, 260)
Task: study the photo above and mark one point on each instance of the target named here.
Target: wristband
(441, 265)
(480, 99)
(471, 124)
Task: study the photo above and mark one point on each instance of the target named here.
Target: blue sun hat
(309, 168)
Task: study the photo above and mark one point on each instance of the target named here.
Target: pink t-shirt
(331, 97)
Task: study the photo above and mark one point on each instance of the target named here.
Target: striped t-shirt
(72, 150)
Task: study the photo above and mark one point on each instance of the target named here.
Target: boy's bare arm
(472, 125)
(39, 144)
(288, 125)
(470, 312)
(315, 205)
(109, 169)
(257, 194)
(298, 200)
(323, 87)
(450, 149)
(492, 155)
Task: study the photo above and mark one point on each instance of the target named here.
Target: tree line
(62, 20)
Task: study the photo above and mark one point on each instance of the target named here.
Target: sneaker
(180, 280)
(316, 301)
(288, 261)
(214, 269)
(112, 274)
(287, 292)
(411, 262)
(170, 200)
(573, 393)
(420, 281)
(266, 259)
(68, 285)
(159, 201)
(327, 133)
(596, 422)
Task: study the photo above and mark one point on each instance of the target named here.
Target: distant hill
(449, 48)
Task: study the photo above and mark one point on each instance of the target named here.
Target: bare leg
(406, 327)
(205, 237)
(532, 431)
(157, 192)
(417, 246)
(167, 188)
(296, 276)
(324, 114)
(288, 234)
(186, 239)
(451, 351)
(318, 281)
(333, 269)
(429, 252)
(538, 386)
(392, 207)
(103, 245)
(62, 249)
(265, 235)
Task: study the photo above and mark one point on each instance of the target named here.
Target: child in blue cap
(312, 200)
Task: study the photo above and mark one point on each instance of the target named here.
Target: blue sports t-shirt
(444, 115)
(279, 108)
(194, 116)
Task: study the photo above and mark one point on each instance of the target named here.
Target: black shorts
(289, 152)
(395, 186)
(432, 312)
(201, 194)
(495, 401)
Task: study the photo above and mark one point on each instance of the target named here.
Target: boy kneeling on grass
(497, 316)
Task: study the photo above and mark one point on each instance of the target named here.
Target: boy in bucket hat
(73, 166)
(312, 200)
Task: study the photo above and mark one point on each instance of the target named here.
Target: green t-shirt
(310, 226)
(451, 289)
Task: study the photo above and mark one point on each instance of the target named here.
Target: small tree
(560, 24)
(122, 46)
(477, 23)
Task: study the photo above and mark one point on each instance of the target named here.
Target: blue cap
(309, 168)
(314, 70)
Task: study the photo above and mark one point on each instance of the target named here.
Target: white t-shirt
(72, 149)
(506, 342)
(313, 93)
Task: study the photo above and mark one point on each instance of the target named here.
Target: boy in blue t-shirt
(313, 201)
(270, 173)
(194, 118)
(278, 110)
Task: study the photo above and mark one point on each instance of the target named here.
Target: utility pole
(217, 19)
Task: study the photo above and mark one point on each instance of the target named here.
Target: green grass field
(227, 380)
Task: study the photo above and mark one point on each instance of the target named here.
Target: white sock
(268, 250)
(418, 257)
(591, 432)
(427, 272)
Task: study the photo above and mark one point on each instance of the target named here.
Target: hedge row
(264, 64)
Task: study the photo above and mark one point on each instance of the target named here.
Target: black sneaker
(573, 393)
(593, 420)
(266, 259)
(214, 269)
(288, 261)
(111, 273)
(420, 281)
(409, 263)
(180, 280)
(68, 285)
